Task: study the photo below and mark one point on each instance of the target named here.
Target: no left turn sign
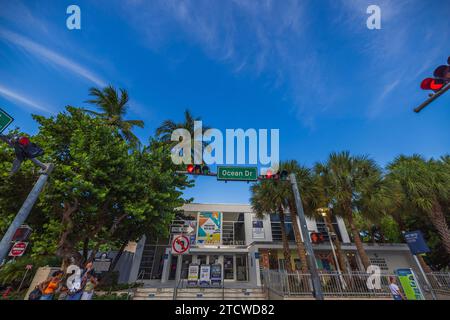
(180, 244)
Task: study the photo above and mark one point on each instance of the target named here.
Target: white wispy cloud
(51, 56)
(22, 100)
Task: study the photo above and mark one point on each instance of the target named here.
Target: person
(49, 287)
(89, 287)
(395, 290)
(78, 284)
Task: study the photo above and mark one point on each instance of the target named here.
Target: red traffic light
(23, 141)
(269, 174)
(190, 168)
(317, 237)
(432, 84)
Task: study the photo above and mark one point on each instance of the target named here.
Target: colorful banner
(410, 284)
(209, 228)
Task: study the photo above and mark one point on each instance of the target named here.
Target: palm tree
(425, 186)
(324, 201)
(113, 108)
(164, 132)
(267, 197)
(352, 182)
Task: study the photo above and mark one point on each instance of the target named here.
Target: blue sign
(416, 242)
(257, 255)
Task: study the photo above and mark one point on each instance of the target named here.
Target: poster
(209, 228)
(205, 274)
(216, 274)
(193, 274)
(257, 228)
(410, 284)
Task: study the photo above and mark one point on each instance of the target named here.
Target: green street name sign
(237, 173)
(5, 120)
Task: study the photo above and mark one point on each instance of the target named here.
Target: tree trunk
(301, 251)
(284, 238)
(337, 243)
(358, 243)
(438, 220)
(85, 249)
(118, 255)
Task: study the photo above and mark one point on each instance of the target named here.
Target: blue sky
(309, 68)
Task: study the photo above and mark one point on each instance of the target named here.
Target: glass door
(228, 268)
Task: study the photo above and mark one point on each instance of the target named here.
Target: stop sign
(18, 249)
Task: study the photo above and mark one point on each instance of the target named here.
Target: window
(276, 228)
(321, 227)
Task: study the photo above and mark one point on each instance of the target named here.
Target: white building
(232, 236)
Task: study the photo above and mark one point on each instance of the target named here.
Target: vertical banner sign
(410, 284)
(257, 228)
(205, 274)
(216, 274)
(209, 228)
(193, 274)
(416, 242)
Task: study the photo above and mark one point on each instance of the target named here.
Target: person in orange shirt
(49, 287)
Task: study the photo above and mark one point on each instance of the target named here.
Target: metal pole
(425, 277)
(432, 98)
(24, 211)
(344, 285)
(317, 287)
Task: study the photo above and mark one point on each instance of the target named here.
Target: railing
(333, 284)
(440, 282)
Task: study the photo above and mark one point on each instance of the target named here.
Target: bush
(112, 296)
(12, 273)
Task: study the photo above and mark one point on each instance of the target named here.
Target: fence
(440, 282)
(334, 285)
(345, 285)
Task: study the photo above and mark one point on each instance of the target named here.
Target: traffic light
(24, 149)
(317, 237)
(270, 175)
(284, 175)
(441, 78)
(198, 169)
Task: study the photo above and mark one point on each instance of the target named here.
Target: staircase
(199, 294)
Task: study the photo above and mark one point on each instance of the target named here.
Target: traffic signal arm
(432, 98)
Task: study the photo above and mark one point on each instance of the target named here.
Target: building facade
(233, 237)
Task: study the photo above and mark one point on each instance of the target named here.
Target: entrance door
(228, 268)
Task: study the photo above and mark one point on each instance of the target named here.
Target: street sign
(5, 120)
(416, 242)
(237, 173)
(180, 244)
(18, 249)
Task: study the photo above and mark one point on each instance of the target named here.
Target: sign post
(5, 120)
(417, 245)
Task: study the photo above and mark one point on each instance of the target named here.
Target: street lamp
(324, 212)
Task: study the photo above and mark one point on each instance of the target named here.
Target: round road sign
(180, 244)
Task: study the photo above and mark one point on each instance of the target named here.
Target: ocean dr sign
(208, 147)
(237, 173)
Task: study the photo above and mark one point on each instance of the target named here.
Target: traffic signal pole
(432, 98)
(317, 287)
(25, 210)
